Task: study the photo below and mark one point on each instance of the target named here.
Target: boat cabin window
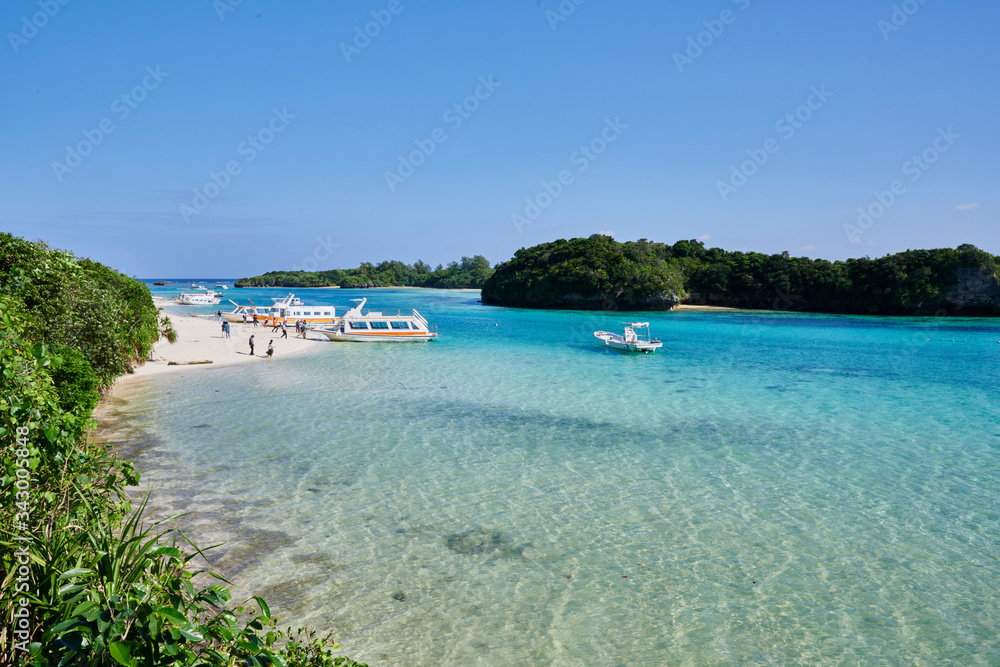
(399, 325)
(380, 325)
(359, 325)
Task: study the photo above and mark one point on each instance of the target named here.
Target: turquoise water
(773, 488)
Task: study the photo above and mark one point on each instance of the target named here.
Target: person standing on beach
(270, 349)
(284, 329)
(255, 319)
(251, 345)
(244, 317)
(219, 315)
(225, 327)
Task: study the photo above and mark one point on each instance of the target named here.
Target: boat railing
(422, 320)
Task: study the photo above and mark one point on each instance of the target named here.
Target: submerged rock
(482, 541)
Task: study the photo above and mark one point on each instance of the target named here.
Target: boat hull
(237, 318)
(392, 337)
(615, 342)
(189, 302)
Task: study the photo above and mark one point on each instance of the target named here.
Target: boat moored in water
(208, 298)
(635, 338)
(375, 326)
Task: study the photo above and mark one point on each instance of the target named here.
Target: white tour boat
(208, 298)
(376, 326)
(635, 339)
(291, 309)
(287, 309)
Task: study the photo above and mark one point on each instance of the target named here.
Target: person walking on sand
(244, 318)
(251, 345)
(284, 329)
(218, 315)
(255, 319)
(276, 325)
(270, 349)
(225, 327)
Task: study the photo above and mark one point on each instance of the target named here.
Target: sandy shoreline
(201, 339)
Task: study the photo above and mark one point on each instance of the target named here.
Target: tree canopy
(471, 272)
(599, 272)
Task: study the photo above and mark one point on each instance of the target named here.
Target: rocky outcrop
(976, 292)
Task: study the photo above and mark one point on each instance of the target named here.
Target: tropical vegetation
(599, 272)
(471, 272)
(84, 580)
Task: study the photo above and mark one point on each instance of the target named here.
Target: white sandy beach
(201, 339)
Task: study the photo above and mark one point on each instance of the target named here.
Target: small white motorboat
(634, 339)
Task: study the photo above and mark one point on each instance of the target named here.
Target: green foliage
(599, 272)
(100, 588)
(593, 272)
(107, 316)
(471, 272)
(125, 595)
(75, 381)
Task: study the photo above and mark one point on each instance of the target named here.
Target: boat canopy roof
(637, 324)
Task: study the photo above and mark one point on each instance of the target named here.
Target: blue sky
(682, 109)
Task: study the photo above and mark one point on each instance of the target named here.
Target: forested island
(600, 273)
(471, 272)
(85, 581)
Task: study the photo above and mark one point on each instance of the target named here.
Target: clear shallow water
(774, 488)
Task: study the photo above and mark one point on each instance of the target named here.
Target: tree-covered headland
(82, 580)
(601, 273)
(471, 272)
